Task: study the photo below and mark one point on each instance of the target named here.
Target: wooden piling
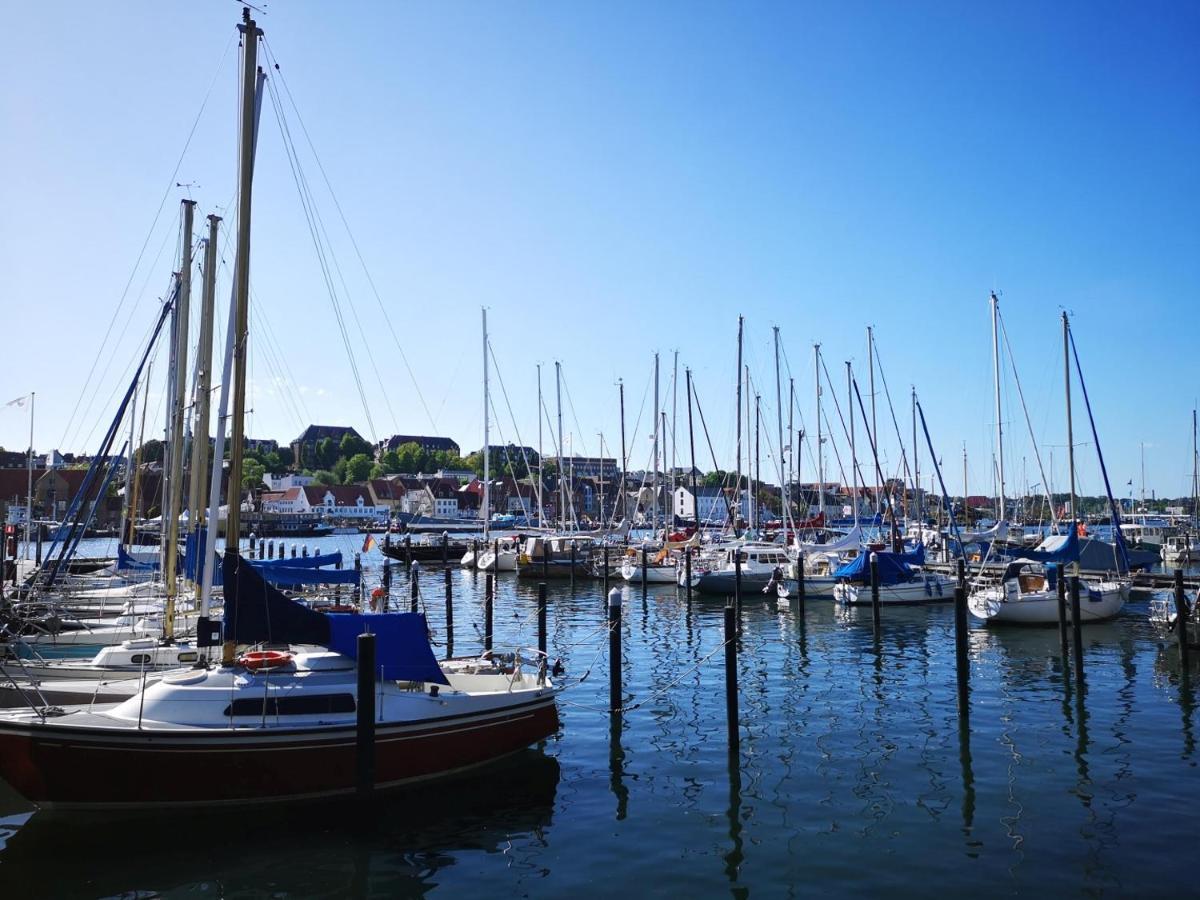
(614, 650)
(365, 716)
(961, 658)
(875, 592)
(449, 616)
(1076, 634)
(542, 619)
(445, 548)
(687, 571)
(358, 572)
(407, 550)
(1181, 624)
(731, 679)
(605, 560)
(414, 585)
(737, 577)
(645, 566)
(1063, 642)
(574, 555)
(488, 601)
(800, 589)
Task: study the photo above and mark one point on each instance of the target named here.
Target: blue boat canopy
(1057, 548)
(893, 568)
(255, 612)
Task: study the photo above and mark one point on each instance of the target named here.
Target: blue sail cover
(257, 612)
(914, 557)
(1060, 549)
(893, 568)
(288, 572)
(125, 562)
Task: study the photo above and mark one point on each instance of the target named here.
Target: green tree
(358, 468)
(277, 461)
(412, 458)
(326, 452)
(252, 473)
(353, 445)
(339, 471)
(390, 461)
(324, 477)
(152, 451)
(378, 471)
(714, 479)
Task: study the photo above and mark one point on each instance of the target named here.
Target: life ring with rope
(256, 660)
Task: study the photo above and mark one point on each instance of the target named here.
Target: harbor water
(853, 774)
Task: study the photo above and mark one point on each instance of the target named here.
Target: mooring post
(545, 558)
(449, 616)
(800, 581)
(875, 592)
(737, 577)
(605, 560)
(253, 545)
(574, 554)
(1064, 644)
(365, 718)
(644, 568)
(1181, 624)
(489, 588)
(37, 559)
(687, 571)
(387, 585)
(542, 619)
(961, 659)
(731, 678)
(962, 573)
(414, 583)
(407, 550)
(445, 548)
(1076, 635)
(496, 556)
(614, 650)
(358, 576)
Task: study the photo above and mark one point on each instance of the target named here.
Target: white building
(286, 480)
(710, 503)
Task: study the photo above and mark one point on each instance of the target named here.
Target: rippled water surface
(853, 774)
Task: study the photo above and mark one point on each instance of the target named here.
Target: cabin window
(304, 705)
(188, 657)
(140, 658)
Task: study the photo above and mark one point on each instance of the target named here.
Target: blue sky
(611, 179)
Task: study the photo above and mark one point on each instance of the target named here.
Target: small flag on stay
(368, 543)
(20, 401)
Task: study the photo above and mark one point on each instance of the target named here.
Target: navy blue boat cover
(257, 612)
(893, 568)
(1065, 550)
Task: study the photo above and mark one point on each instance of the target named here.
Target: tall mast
(737, 484)
(178, 401)
(996, 378)
(1195, 474)
(966, 506)
(29, 477)
(674, 428)
(853, 453)
(487, 450)
(1142, 445)
(562, 485)
(200, 403)
(1070, 424)
(820, 442)
(127, 508)
(250, 36)
(791, 459)
(750, 489)
(878, 500)
(666, 504)
(779, 428)
(654, 505)
(757, 459)
(600, 435)
(624, 457)
(692, 452)
(916, 458)
(541, 514)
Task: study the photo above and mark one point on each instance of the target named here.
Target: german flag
(368, 543)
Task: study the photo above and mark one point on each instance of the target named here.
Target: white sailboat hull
(925, 588)
(1000, 605)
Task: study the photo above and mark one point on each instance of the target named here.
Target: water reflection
(330, 848)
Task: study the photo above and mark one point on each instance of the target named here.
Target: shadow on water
(396, 847)
(735, 857)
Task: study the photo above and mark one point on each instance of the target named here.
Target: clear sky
(614, 178)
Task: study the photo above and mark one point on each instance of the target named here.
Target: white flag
(20, 401)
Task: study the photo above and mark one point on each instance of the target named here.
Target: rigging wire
(88, 381)
(353, 241)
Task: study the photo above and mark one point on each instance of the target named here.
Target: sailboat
(1028, 592)
(279, 723)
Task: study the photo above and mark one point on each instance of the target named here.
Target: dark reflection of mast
(968, 775)
(734, 858)
(616, 765)
(1083, 790)
(1187, 704)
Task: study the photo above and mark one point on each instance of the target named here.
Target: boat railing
(43, 708)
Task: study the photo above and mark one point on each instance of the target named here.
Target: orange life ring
(264, 659)
(378, 593)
